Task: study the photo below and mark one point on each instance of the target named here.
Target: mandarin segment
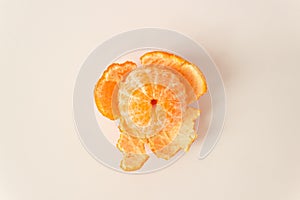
(140, 108)
(105, 92)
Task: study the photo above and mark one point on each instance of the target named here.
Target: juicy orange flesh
(142, 103)
(141, 107)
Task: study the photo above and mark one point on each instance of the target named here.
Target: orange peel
(106, 87)
(190, 72)
(134, 154)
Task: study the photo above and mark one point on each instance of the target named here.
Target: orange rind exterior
(188, 71)
(105, 89)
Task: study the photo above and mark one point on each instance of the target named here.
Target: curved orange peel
(189, 71)
(105, 89)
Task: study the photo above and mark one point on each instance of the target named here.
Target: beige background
(256, 45)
